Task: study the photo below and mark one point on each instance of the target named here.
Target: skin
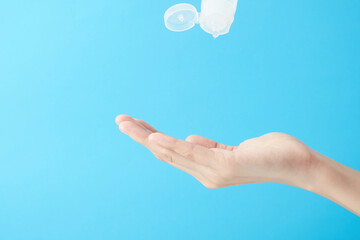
(273, 157)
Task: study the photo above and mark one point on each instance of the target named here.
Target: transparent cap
(181, 17)
(216, 16)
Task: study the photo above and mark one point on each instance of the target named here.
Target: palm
(273, 156)
(264, 159)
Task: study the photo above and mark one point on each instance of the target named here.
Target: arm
(274, 157)
(337, 183)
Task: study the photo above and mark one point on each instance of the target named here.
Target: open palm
(274, 157)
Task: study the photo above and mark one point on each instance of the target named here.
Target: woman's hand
(274, 157)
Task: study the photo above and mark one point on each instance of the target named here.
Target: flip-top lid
(181, 17)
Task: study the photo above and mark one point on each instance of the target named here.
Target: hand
(274, 157)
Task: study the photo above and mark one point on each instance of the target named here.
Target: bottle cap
(181, 17)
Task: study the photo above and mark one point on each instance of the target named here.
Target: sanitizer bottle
(215, 18)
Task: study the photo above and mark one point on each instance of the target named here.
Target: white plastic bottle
(215, 18)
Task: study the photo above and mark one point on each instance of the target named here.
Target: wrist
(314, 173)
(307, 172)
(318, 173)
(334, 181)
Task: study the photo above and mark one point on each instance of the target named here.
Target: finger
(140, 134)
(135, 131)
(140, 131)
(188, 150)
(178, 161)
(208, 143)
(123, 117)
(146, 125)
(201, 173)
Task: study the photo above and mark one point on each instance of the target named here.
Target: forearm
(336, 182)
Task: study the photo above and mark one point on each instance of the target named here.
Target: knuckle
(165, 157)
(187, 154)
(187, 151)
(221, 146)
(169, 158)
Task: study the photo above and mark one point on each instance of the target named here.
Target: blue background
(67, 68)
